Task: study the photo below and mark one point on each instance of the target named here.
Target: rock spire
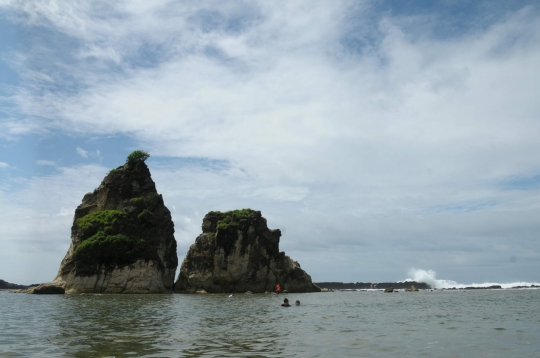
(122, 238)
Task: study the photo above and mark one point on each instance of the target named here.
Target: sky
(386, 139)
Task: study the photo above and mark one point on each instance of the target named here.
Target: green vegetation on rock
(138, 201)
(102, 241)
(137, 155)
(104, 218)
(227, 227)
(102, 248)
(146, 216)
(230, 219)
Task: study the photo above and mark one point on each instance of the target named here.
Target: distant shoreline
(404, 285)
(4, 285)
(372, 285)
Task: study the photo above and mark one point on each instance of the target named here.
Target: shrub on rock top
(137, 155)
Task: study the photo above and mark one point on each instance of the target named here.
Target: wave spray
(429, 277)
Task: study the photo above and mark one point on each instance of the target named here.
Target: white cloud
(46, 163)
(64, 212)
(393, 149)
(83, 153)
(101, 53)
(37, 226)
(4, 165)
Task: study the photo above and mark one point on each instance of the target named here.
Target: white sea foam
(429, 277)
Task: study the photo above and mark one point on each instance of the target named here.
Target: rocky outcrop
(122, 238)
(236, 252)
(48, 288)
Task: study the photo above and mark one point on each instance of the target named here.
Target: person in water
(297, 303)
(286, 303)
(278, 288)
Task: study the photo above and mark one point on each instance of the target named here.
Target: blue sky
(379, 136)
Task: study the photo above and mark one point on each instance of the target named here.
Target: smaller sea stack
(236, 252)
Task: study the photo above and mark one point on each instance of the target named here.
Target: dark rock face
(236, 252)
(122, 238)
(47, 289)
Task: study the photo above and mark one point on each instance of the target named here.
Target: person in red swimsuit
(278, 288)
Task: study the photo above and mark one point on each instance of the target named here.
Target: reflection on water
(113, 324)
(345, 324)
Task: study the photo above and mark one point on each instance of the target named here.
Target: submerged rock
(122, 238)
(236, 252)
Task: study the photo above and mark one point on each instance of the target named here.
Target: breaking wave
(429, 277)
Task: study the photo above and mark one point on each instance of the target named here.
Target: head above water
(286, 300)
(297, 302)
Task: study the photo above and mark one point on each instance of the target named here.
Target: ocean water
(484, 323)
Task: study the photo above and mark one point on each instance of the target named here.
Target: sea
(371, 323)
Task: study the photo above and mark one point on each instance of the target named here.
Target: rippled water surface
(500, 323)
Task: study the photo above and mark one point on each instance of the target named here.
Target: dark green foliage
(102, 242)
(228, 225)
(104, 218)
(106, 249)
(138, 201)
(146, 203)
(137, 155)
(113, 172)
(146, 216)
(231, 219)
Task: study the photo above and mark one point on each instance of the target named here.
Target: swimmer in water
(231, 295)
(286, 303)
(297, 303)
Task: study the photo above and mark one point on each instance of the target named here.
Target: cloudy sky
(379, 136)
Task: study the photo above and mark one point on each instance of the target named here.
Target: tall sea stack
(122, 238)
(236, 252)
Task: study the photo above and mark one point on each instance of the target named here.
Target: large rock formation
(236, 252)
(122, 238)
